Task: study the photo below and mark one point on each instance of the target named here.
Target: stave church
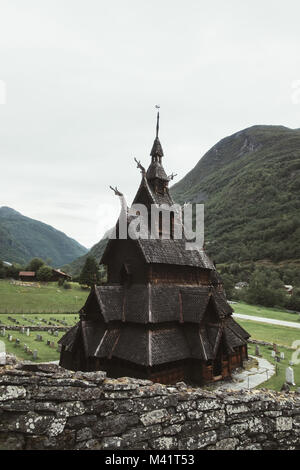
(162, 313)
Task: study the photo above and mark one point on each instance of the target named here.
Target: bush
(60, 282)
(293, 302)
(67, 285)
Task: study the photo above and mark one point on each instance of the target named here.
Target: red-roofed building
(28, 276)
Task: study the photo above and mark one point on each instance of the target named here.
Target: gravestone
(55, 333)
(257, 350)
(289, 376)
(22, 330)
(10, 338)
(273, 353)
(3, 332)
(28, 332)
(282, 355)
(17, 342)
(52, 344)
(35, 354)
(2, 353)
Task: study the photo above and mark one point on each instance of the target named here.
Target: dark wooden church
(162, 314)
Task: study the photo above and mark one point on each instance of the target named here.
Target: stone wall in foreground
(51, 408)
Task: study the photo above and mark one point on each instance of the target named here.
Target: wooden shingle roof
(143, 303)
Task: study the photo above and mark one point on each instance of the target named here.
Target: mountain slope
(22, 239)
(250, 185)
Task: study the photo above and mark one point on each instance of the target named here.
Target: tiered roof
(151, 325)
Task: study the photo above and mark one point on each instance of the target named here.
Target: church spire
(157, 121)
(156, 169)
(157, 151)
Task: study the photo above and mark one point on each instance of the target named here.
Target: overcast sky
(82, 78)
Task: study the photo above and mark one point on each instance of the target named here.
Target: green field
(270, 333)
(258, 311)
(40, 298)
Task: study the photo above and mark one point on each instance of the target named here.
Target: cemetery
(34, 337)
(23, 334)
(41, 333)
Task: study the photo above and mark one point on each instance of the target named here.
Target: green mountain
(250, 185)
(22, 239)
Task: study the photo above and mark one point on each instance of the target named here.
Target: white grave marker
(289, 376)
(2, 353)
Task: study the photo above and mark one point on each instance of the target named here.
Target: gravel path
(247, 379)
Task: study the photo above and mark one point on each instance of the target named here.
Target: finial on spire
(157, 120)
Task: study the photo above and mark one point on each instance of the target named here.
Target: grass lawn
(276, 382)
(259, 311)
(271, 333)
(43, 298)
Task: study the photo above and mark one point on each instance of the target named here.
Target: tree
(265, 288)
(228, 282)
(13, 271)
(2, 270)
(293, 302)
(90, 273)
(35, 264)
(44, 274)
